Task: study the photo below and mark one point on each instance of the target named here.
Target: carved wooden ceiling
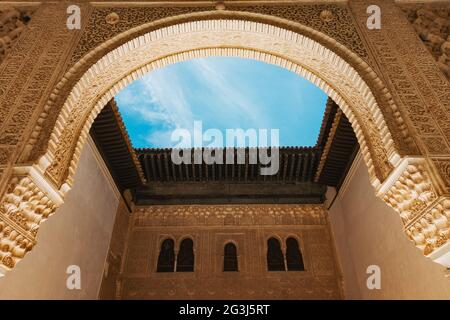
(304, 172)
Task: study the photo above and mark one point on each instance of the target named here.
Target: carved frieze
(187, 215)
(22, 209)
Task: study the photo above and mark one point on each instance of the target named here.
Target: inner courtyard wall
(46, 50)
(368, 232)
(211, 227)
(79, 234)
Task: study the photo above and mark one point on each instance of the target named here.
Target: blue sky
(223, 93)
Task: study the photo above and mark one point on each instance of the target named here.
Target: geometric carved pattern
(425, 214)
(415, 103)
(12, 23)
(111, 73)
(97, 30)
(28, 74)
(22, 210)
(433, 27)
(237, 215)
(415, 81)
(340, 28)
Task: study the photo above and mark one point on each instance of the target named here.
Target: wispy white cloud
(157, 99)
(169, 99)
(223, 93)
(230, 97)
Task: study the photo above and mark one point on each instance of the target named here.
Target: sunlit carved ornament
(22, 209)
(112, 18)
(425, 212)
(326, 16)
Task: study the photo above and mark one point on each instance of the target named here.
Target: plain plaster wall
(77, 234)
(369, 232)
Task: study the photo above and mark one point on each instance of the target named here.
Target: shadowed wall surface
(367, 232)
(78, 235)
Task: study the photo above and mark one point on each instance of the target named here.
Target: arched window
(185, 261)
(275, 259)
(166, 258)
(294, 257)
(230, 260)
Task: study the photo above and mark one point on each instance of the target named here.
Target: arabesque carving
(111, 73)
(12, 23)
(22, 209)
(432, 24)
(425, 212)
(341, 36)
(413, 76)
(431, 229)
(52, 108)
(237, 215)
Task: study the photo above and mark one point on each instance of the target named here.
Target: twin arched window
(184, 261)
(275, 257)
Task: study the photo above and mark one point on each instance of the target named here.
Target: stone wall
(113, 267)
(248, 227)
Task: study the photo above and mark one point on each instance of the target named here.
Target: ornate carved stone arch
(268, 43)
(405, 183)
(356, 57)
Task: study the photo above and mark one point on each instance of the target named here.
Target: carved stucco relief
(432, 24)
(28, 75)
(22, 210)
(249, 227)
(23, 94)
(372, 125)
(236, 215)
(424, 212)
(12, 23)
(412, 76)
(340, 27)
(374, 137)
(421, 193)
